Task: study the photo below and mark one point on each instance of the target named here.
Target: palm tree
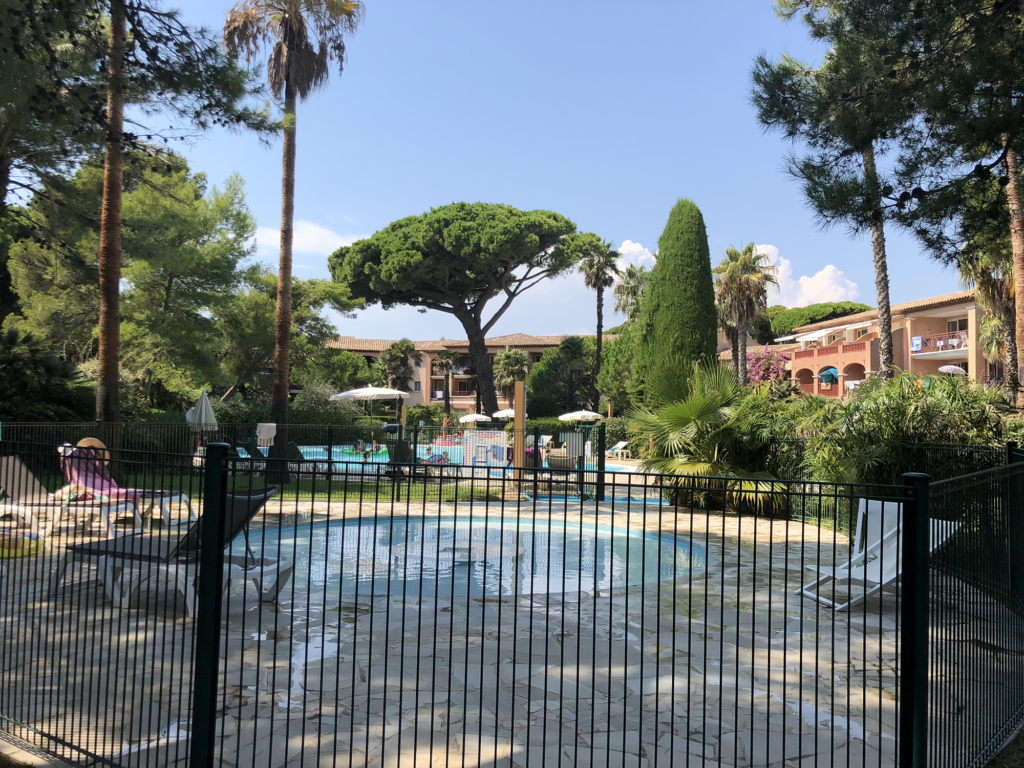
(991, 277)
(304, 37)
(629, 290)
(401, 358)
(510, 366)
(572, 366)
(742, 281)
(599, 267)
(446, 360)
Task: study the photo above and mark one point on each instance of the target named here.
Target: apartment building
(428, 378)
(831, 358)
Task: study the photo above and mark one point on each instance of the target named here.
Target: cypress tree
(678, 320)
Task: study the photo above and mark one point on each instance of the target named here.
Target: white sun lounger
(876, 566)
(619, 450)
(27, 500)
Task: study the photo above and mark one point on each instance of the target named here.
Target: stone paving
(726, 667)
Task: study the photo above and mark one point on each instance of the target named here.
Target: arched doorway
(829, 382)
(854, 372)
(805, 379)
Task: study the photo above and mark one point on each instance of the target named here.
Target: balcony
(953, 344)
(826, 351)
(437, 371)
(803, 353)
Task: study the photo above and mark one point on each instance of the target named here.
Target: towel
(265, 434)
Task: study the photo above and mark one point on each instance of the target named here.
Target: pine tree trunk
(1013, 194)
(595, 397)
(741, 362)
(283, 319)
(486, 394)
(108, 402)
(885, 365)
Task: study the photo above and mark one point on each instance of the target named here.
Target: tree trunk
(734, 339)
(885, 369)
(448, 392)
(1010, 377)
(1013, 195)
(741, 362)
(283, 319)
(108, 403)
(486, 394)
(595, 397)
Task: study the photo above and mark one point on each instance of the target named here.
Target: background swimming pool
(455, 453)
(474, 556)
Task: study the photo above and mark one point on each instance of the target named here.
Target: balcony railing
(804, 353)
(939, 342)
(826, 351)
(457, 370)
(808, 388)
(857, 346)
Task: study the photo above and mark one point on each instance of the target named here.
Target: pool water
(474, 556)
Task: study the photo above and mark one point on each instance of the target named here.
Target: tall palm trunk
(283, 319)
(885, 363)
(1010, 358)
(108, 403)
(1013, 194)
(595, 396)
(741, 346)
(734, 339)
(448, 392)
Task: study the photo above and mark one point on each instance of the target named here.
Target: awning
(816, 335)
(785, 338)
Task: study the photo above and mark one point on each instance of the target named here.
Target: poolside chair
(875, 567)
(176, 558)
(27, 500)
(86, 467)
(619, 450)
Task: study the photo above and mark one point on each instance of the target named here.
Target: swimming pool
(475, 556)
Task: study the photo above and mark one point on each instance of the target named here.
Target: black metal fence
(491, 618)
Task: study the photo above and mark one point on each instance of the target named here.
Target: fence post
(98, 434)
(601, 448)
(208, 613)
(330, 450)
(913, 701)
(1011, 457)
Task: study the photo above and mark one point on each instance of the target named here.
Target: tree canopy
(456, 259)
(785, 319)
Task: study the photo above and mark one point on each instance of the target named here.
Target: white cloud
(828, 284)
(634, 253)
(307, 238)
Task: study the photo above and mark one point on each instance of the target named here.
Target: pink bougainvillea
(767, 365)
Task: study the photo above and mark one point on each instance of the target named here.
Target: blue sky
(605, 112)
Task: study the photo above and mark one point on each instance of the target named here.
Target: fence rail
(493, 618)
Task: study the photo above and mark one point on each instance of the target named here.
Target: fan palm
(401, 358)
(446, 360)
(510, 366)
(599, 267)
(572, 366)
(304, 38)
(742, 280)
(629, 290)
(697, 435)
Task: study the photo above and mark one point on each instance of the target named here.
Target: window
(952, 326)
(863, 332)
(464, 388)
(416, 386)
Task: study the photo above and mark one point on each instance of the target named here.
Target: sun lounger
(875, 566)
(619, 450)
(175, 558)
(85, 467)
(28, 501)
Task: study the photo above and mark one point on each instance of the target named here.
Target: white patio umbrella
(371, 394)
(504, 413)
(952, 370)
(473, 418)
(581, 416)
(200, 416)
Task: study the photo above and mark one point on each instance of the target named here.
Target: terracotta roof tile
(933, 302)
